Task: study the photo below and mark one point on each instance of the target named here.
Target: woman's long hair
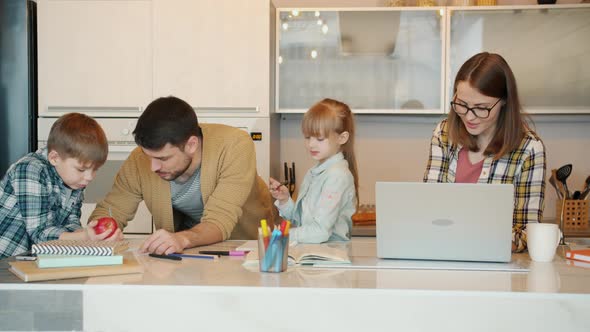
(490, 74)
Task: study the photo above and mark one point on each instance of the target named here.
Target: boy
(41, 194)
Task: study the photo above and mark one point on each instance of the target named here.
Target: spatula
(562, 174)
(553, 181)
(586, 190)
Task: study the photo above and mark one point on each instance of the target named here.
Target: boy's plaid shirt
(524, 167)
(35, 204)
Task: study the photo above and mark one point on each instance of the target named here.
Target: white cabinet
(404, 60)
(386, 60)
(214, 54)
(548, 49)
(94, 57)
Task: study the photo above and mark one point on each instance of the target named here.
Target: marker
(174, 258)
(223, 252)
(264, 227)
(179, 256)
(265, 234)
(282, 227)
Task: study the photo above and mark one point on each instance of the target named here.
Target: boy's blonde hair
(332, 116)
(79, 136)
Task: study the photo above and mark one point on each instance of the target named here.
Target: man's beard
(175, 175)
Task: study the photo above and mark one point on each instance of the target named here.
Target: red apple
(106, 224)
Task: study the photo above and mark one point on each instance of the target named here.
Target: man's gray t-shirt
(187, 198)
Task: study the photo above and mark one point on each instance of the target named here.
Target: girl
(486, 140)
(327, 197)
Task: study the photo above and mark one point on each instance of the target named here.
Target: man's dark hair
(166, 120)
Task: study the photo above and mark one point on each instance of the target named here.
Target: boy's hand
(279, 191)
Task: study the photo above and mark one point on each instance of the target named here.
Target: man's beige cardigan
(235, 198)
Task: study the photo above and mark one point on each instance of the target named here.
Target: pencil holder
(575, 214)
(273, 253)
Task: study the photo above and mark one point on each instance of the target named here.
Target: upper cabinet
(386, 60)
(404, 60)
(94, 57)
(547, 47)
(215, 54)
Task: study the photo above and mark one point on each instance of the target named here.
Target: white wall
(395, 148)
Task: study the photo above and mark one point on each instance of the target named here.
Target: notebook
(75, 247)
(52, 261)
(444, 221)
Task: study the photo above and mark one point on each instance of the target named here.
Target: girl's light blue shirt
(325, 204)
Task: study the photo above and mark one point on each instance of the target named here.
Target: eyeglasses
(478, 111)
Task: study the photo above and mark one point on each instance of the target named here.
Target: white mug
(542, 240)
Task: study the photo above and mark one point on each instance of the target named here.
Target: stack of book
(62, 259)
(62, 253)
(578, 257)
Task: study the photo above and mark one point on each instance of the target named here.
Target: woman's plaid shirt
(524, 168)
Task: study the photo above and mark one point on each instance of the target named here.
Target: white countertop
(555, 277)
(227, 293)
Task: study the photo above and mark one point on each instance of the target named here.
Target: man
(199, 182)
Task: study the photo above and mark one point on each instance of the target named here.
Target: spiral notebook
(75, 247)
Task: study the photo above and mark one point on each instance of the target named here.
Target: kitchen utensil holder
(575, 215)
(486, 2)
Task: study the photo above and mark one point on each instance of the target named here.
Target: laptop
(444, 221)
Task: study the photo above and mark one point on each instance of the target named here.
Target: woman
(486, 140)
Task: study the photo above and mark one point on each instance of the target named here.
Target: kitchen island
(225, 295)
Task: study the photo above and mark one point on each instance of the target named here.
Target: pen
(223, 252)
(179, 256)
(25, 258)
(171, 257)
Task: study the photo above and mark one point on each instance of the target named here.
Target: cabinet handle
(228, 109)
(97, 109)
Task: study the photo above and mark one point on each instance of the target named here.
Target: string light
(325, 29)
(314, 54)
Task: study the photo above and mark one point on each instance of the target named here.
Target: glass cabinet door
(376, 61)
(548, 50)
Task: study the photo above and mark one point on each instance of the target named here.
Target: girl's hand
(279, 191)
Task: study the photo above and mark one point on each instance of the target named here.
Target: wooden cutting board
(28, 271)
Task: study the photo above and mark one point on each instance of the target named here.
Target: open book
(309, 254)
